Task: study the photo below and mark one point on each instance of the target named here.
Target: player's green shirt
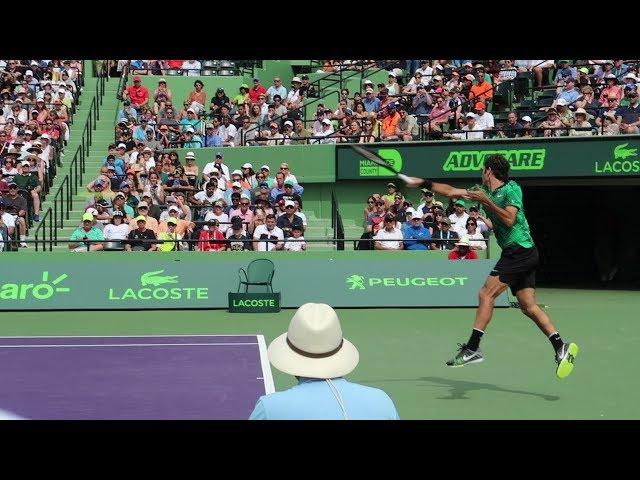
(519, 234)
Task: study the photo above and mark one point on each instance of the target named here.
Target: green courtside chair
(258, 276)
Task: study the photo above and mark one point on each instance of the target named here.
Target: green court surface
(403, 352)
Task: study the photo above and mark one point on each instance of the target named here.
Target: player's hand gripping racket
(375, 158)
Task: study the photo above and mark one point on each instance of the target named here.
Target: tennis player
(516, 268)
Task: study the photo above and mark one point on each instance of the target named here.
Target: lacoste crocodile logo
(622, 152)
(155, 279)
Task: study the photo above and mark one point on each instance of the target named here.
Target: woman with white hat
(315, 352)
(580, 122)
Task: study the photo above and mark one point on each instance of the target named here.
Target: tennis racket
(377, 159)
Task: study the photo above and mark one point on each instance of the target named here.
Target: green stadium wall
(186, 280)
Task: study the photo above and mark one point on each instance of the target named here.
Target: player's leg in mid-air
(470, 352)
(565, 352)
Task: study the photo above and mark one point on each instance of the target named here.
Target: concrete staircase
(102, 136)
(318, 227)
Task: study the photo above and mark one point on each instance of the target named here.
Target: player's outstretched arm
(439, 188)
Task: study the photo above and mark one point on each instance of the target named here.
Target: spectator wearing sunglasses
(473, 235)
(243, 211)
(445, 234)
(289, 220)
(415, 234)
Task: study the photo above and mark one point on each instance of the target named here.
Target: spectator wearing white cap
(295, 97)
(327, 132)
(469, 131)
(392, 84)
(249, 175)
(268, 179)
(190, 121)
(314, 350)
(235, 188)
(565, 115)
(527, 131)
(289, 220)
(183, 227)
(190, 138)
(287, 131)
(371, 102)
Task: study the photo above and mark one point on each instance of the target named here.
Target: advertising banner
(560, 157)
(184, 280)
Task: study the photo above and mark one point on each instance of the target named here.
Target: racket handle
(404, 178)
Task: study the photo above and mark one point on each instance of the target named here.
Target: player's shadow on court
(458, 389)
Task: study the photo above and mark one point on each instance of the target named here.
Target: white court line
(266, 368)
(126, 345)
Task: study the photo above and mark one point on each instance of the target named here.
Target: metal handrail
(63, 199)
(195, 241)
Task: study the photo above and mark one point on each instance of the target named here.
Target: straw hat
(313, 346)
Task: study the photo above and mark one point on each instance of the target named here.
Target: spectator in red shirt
(137, 94)
(256, 90)
(463, 251)
(207, 234)
(175, 64)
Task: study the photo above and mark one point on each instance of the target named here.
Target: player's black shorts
(517, 267)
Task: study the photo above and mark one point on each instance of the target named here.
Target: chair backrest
(260, 270)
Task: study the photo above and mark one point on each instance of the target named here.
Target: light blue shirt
(313, 399)
(569, 95)
(272, 90)
(275, 191)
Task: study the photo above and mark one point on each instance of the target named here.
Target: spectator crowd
(37, 102)
(145, 200)
(392, 222)
(422, 99)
